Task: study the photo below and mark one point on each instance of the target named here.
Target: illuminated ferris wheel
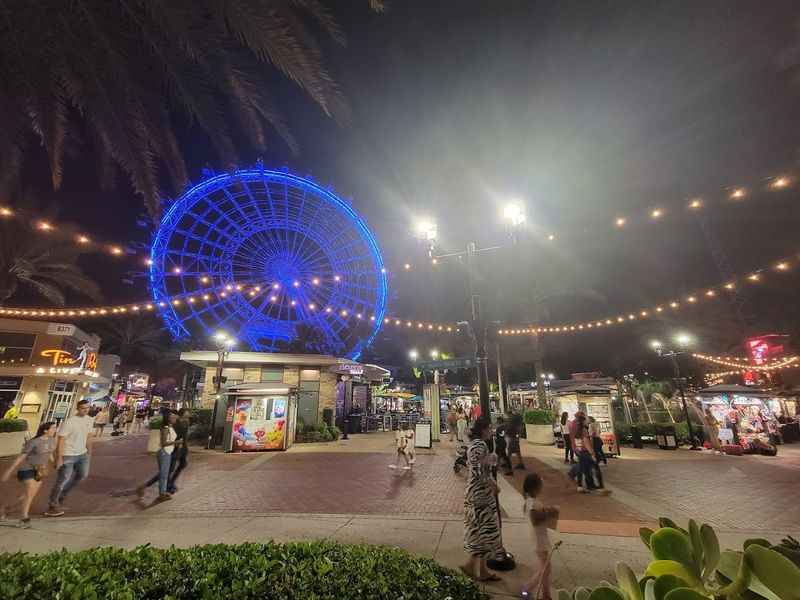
(277, 258)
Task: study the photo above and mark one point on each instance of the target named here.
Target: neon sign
(62, 358)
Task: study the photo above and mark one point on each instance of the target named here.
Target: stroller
(461, 458)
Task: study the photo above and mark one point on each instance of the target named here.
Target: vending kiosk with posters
(260, 417)
(594, 400)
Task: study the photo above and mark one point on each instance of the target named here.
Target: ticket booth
(259, 417)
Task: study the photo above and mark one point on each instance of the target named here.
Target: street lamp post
(224, 345)
(426, 230)
(682, 339)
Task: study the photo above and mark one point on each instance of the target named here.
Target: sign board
(422, 435)
(453, 363)
(86, 358)
(61, 409)
(60, 329)
(138, 382)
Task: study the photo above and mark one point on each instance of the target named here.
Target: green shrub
(538, 416)
(327, 416)
(689, 565)
(318, 433)
(9, 425)
(293, 571)
(200, 427)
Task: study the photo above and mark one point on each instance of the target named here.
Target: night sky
(584, 111)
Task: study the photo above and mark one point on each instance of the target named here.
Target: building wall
(291, 377)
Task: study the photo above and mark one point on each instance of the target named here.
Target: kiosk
(595, 401)
(259, 416)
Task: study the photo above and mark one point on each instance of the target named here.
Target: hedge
(302, 570)
(538, 417)
(10, 425)
(316, 433)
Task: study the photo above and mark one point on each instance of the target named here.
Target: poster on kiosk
(259, 421)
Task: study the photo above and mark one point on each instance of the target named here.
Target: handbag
(40, 472)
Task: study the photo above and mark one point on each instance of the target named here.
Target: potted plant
(154, 439)
(13, 433)
(539, 426)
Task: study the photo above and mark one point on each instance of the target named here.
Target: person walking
(539, 518)
(512, 434)
(712, 427)
(481, 523)
(73, 451)
(31, 466)
(141, 416)
(180, 457)
(100, 421)
(163, 458)
(597, 441)
(452, 422)
(569, 452)
(461, 425)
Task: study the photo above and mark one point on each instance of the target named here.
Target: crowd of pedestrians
(68, 449)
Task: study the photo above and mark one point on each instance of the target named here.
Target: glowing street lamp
(224, 345)
(425, 229)
(682, 339)
(514, 213)
(413, 355)
(434, 354)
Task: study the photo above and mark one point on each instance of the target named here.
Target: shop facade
(321, 381)
(46, 368)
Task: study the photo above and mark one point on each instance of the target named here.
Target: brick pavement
(732, 493)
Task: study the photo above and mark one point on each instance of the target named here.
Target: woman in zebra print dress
(481, 524)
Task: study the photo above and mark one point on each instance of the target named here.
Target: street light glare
(683, 338)
(413, 354)
(426, 229)
(655, 344)
(221, 336)
(514, 213)
(434, 354)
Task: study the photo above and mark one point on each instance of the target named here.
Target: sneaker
(164, 497)
(392, 466)
(407, 468)
(25, 523)
(54, 511)
(140, 492)
(582, 490)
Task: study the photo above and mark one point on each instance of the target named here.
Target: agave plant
(688, 565)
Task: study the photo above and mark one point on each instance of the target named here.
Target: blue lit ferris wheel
(271, 258)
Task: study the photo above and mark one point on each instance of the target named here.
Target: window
(309, 374)
(16, 348)
(271, 374)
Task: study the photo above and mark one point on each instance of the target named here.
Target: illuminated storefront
(45, 368)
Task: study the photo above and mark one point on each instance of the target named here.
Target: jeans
(162, 477)
(569, 455)
(179, 462)
(74, 469)
(585, 468)
(598, 450)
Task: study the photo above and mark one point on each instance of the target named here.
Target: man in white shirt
(72, 456)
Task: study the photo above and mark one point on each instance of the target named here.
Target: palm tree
(138, 341)
(119, 72)
(42, 266)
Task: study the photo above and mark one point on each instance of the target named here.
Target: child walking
(405, 448)
(540, 517)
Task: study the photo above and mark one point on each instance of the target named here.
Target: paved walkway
(344, 491)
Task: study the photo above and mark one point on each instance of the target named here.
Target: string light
(696, 203)
(82, 239)
(45, 226)
(780, 182)
(695, 298)
(737, 362)
(656, 213)
(6, 212)
(738, 194)
(620, 222)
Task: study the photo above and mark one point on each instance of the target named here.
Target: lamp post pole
(224, 343)
(676, 367)
(479, 334)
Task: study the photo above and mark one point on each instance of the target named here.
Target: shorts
(24, 475)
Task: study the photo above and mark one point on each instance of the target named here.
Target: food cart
(259, 416)
(594, 400)
(742, 412)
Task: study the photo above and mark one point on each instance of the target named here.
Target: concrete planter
(154, 441)
(11, 442)
(541, 435)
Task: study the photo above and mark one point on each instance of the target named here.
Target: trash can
(666, 437)
(636, 437)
